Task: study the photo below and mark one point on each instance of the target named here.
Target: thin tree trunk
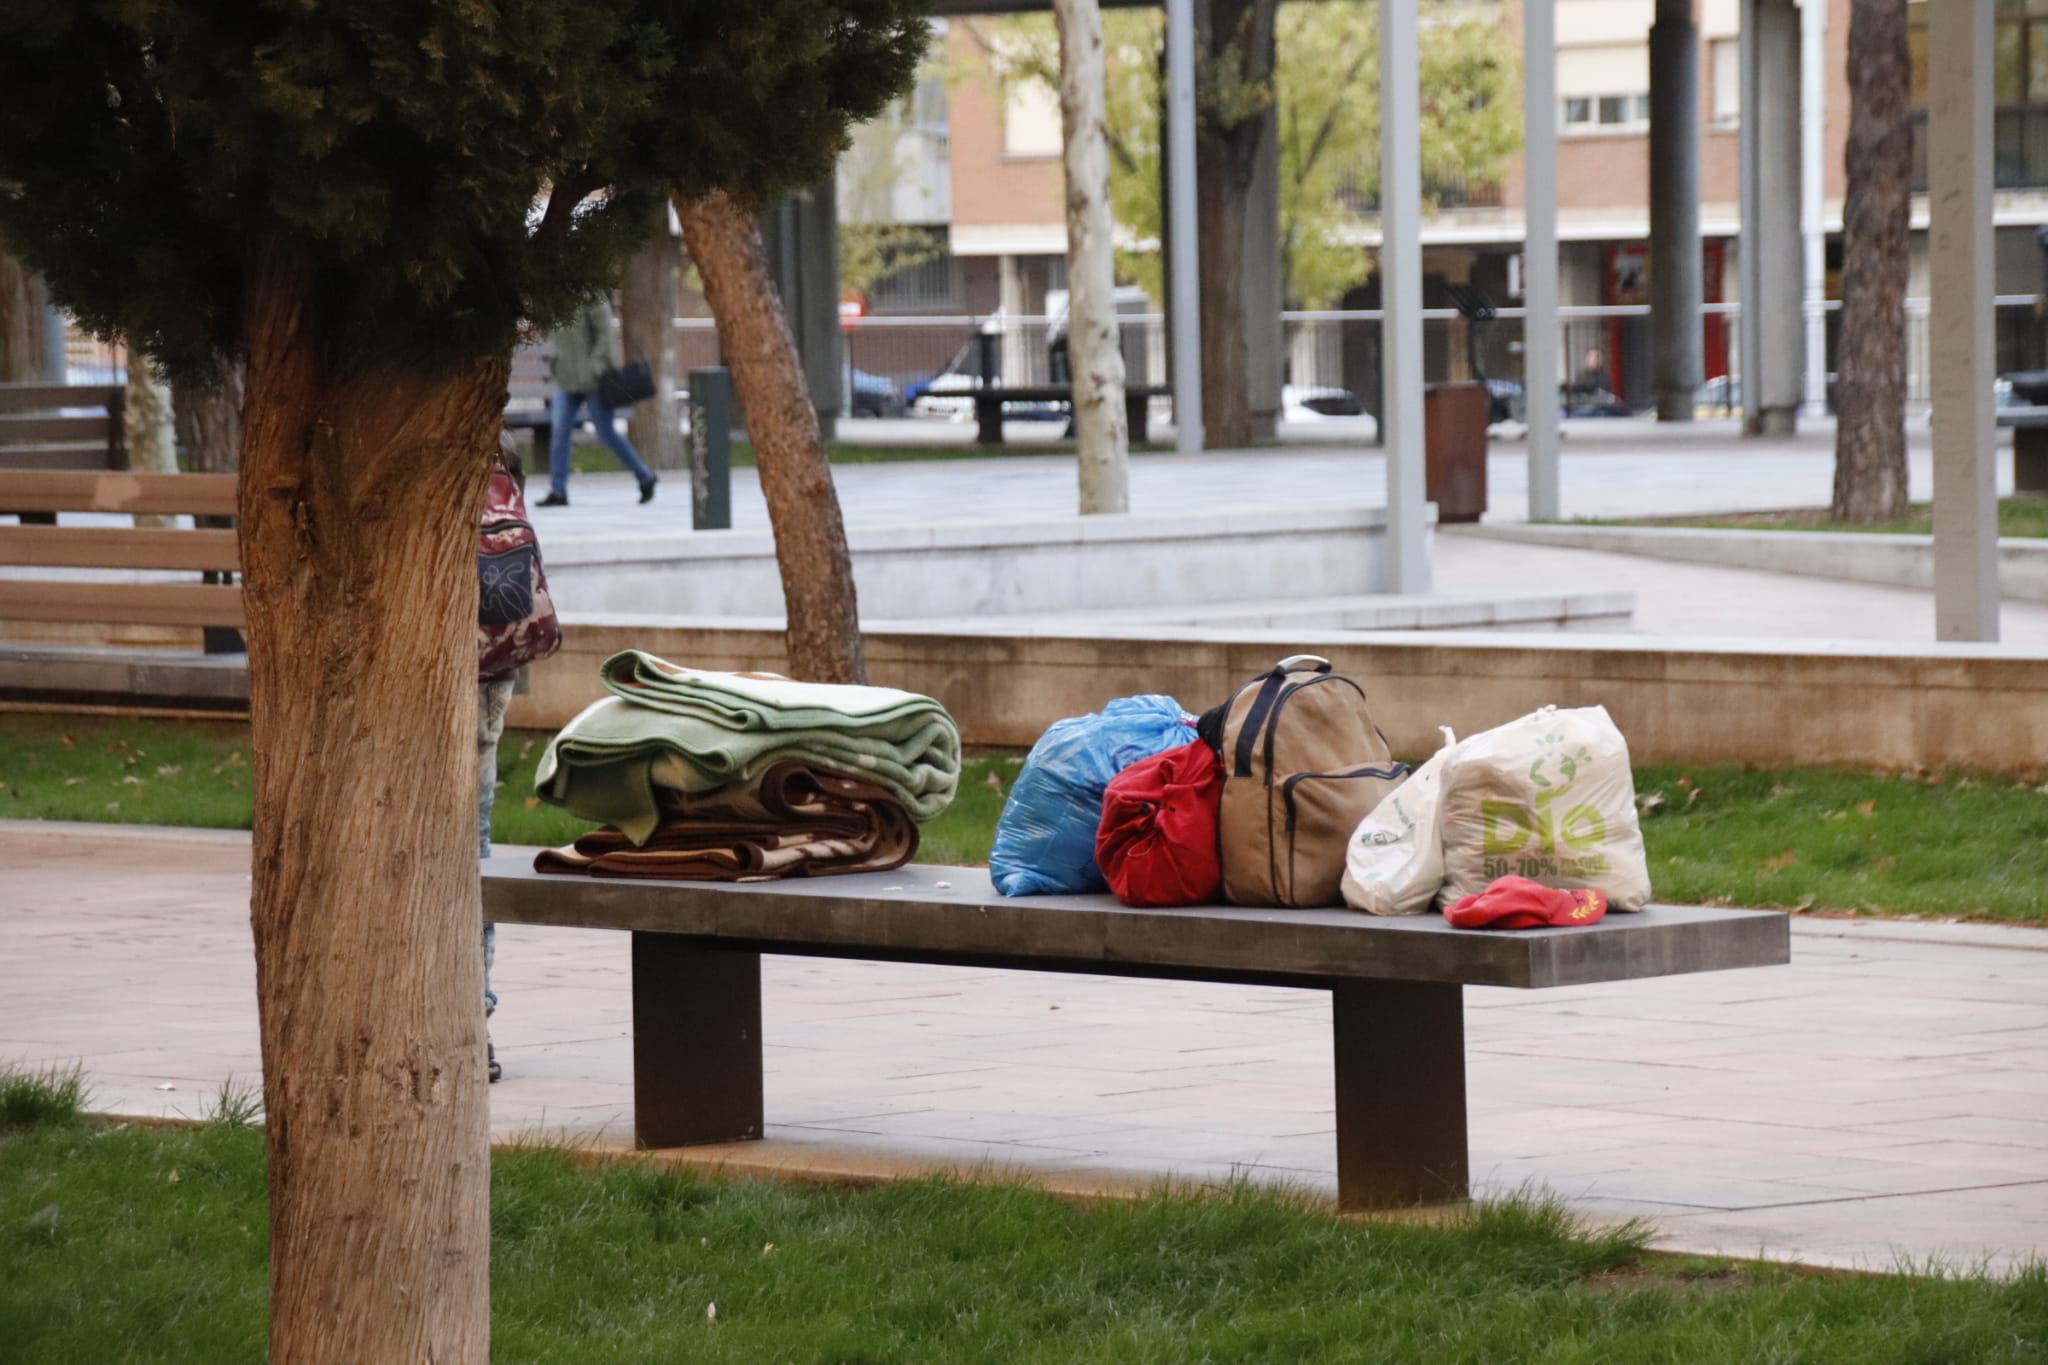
(823, 630)
(1870, 393)
(1093, 346)
(647, 319)
(147, 427)
(209, 418)
(360, 490)
(1235, 45)
(21, 323)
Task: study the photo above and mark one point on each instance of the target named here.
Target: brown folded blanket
(793, 820)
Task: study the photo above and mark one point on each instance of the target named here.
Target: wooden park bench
(61, 426)
(1396, 985)
(989, 404)
(208, 600)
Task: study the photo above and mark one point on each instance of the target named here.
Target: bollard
(711, 449)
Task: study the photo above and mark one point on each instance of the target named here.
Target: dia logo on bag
(1532, 840)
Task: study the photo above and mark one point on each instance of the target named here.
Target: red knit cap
(1518, 903)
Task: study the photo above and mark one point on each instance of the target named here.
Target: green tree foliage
(1327, 97)
(399, 146)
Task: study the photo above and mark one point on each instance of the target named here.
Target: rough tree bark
(147, 427)
(362, 481)
(1093, 346)
(1870, 360)
(823, 631)
(21, 323)
(209, 418)
(647, 319)
(1234, 50)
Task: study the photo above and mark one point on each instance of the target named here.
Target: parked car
(874, 395)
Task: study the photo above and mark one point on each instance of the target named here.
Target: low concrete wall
(969, 569)
(1760, 702)
(1896, 561)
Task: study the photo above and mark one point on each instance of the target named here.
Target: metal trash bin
(1454, 449)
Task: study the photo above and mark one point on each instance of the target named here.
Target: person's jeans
(563, 415)
(491, 696)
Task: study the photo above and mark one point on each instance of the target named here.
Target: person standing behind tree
(583, 352)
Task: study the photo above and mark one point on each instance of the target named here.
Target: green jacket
(583, 348)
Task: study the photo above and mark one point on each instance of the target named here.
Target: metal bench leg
(2030, 460)
(1400, 1093)
(988, 422)
(1137, 412)
(696, 1043)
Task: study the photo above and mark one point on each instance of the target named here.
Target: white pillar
(1813, 69)
(1539, 254)
(1772, 334)
(1959, 139)
(1184, 286)
(1401, 299)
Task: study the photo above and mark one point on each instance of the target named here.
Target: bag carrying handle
(1295, 663)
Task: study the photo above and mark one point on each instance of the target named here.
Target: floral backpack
(515, 617)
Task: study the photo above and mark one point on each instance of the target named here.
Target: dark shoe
(491, 1058)
(647, 490)
(558, 500)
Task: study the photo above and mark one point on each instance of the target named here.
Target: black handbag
(622, 386)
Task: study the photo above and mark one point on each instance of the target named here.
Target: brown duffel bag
(1303, 763)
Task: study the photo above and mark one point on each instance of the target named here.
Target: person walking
(583, 352)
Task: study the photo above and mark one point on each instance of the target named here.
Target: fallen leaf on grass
(532, 801)
(1649, 804)
(73, 781)
(172, 1178)
(67, 741)
(1779, 789)
(1684, 781)
(1884, 864)
(993, 782)
(1782, 861)
(1804, 903)
(1833, 815)
(1692, 796)
(1866, 808)
(168, 770)
(235, 759)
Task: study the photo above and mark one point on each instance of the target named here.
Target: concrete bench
(989, 404)
(1396, 985)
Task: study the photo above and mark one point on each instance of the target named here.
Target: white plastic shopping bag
(1394, 864)
(1549, 797)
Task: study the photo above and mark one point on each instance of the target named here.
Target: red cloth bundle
(1156, 843)
(1518, 903)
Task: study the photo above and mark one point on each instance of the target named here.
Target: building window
(1725, 55)
(1031, 119)
(2019, 93)
(1606, 113)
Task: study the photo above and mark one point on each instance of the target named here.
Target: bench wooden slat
(124, 604)
(19, 429)
(27, 459)
(29, 397)
(118, 547)
(206, 495)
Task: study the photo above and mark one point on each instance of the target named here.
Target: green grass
(2022, 517)
(1949, 844)
(147, 1244)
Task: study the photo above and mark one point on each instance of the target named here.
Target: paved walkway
(1880, 1098)
(1611, 468)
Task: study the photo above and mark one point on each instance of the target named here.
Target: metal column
(1184, 286)
(1540, 340)
(1771, 266)
(1401, 298)
(1813, 39)
(1676, 341)
(1959, 142)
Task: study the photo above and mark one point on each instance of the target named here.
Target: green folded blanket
(696, 731)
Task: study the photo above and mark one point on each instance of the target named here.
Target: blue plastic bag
(1045, 841)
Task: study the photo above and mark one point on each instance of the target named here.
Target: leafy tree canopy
(399, 148)
(1325, 94)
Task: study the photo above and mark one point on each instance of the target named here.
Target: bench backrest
(61, 426)
(205, 550)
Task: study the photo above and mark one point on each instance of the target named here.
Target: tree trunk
(647, 318)
(1094, 349)
(147, 427)
(209, 418)
(361, 486)
(21, 323)
(1870, 361)
(1234, 54)
(823, 630)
